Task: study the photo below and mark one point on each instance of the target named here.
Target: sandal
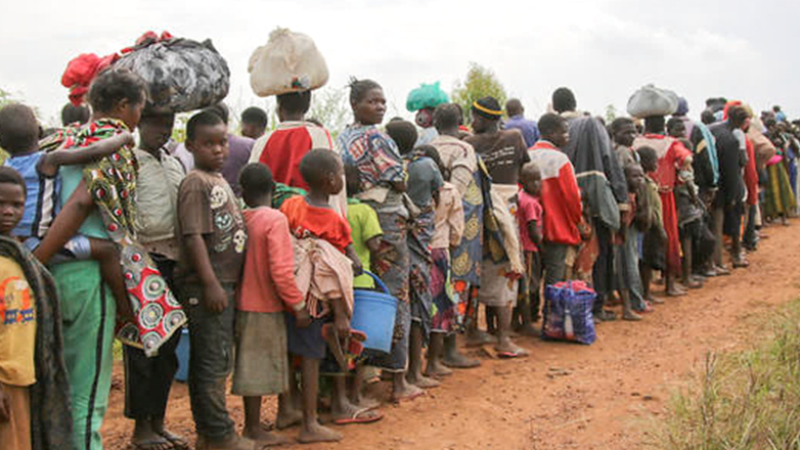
(357, 417)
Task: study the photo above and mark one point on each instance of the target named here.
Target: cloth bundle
(181, 74)
(426, 96)
(652, 101)
(80, 72)
(568, 313)
(290, 62)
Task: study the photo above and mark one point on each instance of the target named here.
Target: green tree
(611, 113)
(480, 82)
(330, 107)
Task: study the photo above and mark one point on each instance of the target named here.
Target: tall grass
(745, 400)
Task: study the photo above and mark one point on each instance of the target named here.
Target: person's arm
(374, 244)
(5, 407)
(66, 223)
(214, 298)
(456, 221)
(350, 251)
(280, 268)
(51, 161)
(341, 319)
(533, 232)
(399, 186)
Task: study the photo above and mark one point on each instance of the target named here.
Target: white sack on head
(652, 101)
(290, 62)
(181, 74)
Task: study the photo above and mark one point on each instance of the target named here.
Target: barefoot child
(628, 279)
(213, 237)
(529, 218)
(449, 229)
(34, 392)
(268, 288)
(325, 263)
(650, 224)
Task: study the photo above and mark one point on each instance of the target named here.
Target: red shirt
(324, 223)
(268, 283)
(286, 147)
(751, 174)
(530, 209)
(671, 156)
(561, 197)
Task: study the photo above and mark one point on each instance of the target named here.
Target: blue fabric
(529, 129)
(71, 177)
(568, 313)
(42, 202)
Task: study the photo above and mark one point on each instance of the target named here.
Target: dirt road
(564, 396)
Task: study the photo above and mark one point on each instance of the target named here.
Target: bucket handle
(378, 282)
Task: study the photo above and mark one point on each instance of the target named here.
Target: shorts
(262, 362)
(305, 342)
(79, 248)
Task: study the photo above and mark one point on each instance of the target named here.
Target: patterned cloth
(419, 240)
(446, 317)
(778, 197)
(112, 184)
(374, 153)
(51, 417)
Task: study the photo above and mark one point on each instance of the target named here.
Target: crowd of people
(260, 242)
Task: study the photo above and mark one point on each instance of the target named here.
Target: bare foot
(654, 300)
(406, 393)
(348, 413)
(234, 442)
(364, 402)
(506, 348)
(456, 360)
(318, 433)
(264, 437)
(422, 381)
(178, 442)
(477, 338)
(437, 369)
(288, 418)
(676, 292)
(631, 316)
(146, 438)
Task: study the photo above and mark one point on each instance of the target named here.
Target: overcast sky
(602, 49)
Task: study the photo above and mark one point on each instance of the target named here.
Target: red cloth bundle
(81, 71)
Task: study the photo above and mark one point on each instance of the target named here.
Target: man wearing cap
(504, 153)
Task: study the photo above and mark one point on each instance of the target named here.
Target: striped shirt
(41, 204)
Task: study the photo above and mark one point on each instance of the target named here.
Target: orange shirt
(323, 223)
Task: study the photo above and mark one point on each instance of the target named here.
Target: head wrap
(488, 108)
(683, 107)
(424, 118)
(728, 107)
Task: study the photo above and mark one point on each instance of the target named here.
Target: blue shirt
(71, 177)
(530, 132)
(42, 202)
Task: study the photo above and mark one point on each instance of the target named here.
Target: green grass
(744, 400)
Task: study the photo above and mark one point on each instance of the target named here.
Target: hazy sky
(602, 49)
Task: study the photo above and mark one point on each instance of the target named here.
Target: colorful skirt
(778, 196)
(419, 246)
(446, 313)
(466, 259)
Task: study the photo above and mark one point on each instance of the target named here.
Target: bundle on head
(652, 101)
(290, 62)
(426, 96)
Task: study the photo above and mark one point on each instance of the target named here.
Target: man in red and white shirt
(283, 149)
(561, 198)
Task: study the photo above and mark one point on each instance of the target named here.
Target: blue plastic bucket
(374, 313)
(182, 351)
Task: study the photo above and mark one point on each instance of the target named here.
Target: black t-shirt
(504, 154)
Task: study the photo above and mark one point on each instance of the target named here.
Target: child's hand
(358, 269)
(342, 324)
(126, 138)
(302, 318)
(214, 297)
(5, 408)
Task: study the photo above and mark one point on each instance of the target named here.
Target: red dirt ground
(564, 396)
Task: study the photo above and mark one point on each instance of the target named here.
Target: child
(325, 260)
(629, 281)
(19, 136)
(34, 392)
(529, 218)
(449, 229)
(213, 237)
(690, 224)
(561, 198)
(267, 289)
(365, 226)
(651, 225)
(424, 182)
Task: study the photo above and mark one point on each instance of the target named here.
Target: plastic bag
(568, 313)
(290, 62)
(426, 96)
(181, 74)
(652, 101)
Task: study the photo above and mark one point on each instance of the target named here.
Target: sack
(290, 62)
(652, 101)
(568, 313)
(181, 74)
(426, 96)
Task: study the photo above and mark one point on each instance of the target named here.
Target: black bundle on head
(318, 163)
(113, 86)
(256, 181)
(487, 107)
(71, 114)
(295, 102)
(204, 118)
(255, 116)
(403, 133)
(564, 100)
(19, 129)
(550, 124)
(360, 88)
(11, 176)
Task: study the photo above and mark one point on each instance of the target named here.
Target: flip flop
(520, 353)
(408, 398)
(178, 443)
(356, 419)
